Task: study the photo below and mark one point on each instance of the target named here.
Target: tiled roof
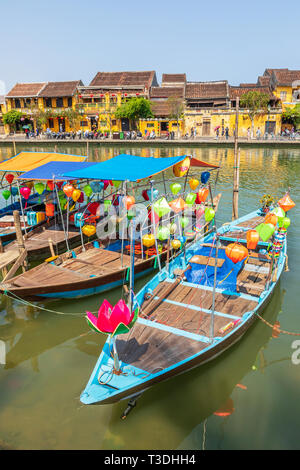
(263, 80)
(21, 90)
(248, 85)
(286, 77)
(124, 79)
(54, 89)
(166, 92)
(174, 78)
(160, 108)
(206, 90)
(238, 91)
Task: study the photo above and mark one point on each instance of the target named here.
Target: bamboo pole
(235, 198)
(19, 236)
(14, 144)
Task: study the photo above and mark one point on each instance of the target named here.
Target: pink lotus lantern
(25, 192)
(106, 184)
(113, 321)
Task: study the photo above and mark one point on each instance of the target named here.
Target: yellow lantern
(193, 183)
(76, 194)
(176, 244)
(148, 240)
(181, 168)
(89, 230)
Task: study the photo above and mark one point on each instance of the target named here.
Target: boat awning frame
(26, 161)
(54, 171)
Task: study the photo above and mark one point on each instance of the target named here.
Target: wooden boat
(183, 320)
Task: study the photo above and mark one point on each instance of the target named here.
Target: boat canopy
(26, 161)
(54, 170)
(130, 168)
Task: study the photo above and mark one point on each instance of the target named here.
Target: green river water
(49, 357)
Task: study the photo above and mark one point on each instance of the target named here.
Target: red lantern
(125, 94)
(9, 178)
(59, 184)
(155, 216)
(50, 209)
(93, 207)
(68, 190)
(50, 185)
(145, 195)
(202, 195)
(137, 94)
(252, 239)
(80, 96)
(115, 200)
(91, 95)
(236, 252)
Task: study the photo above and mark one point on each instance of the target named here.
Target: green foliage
(292, 116)
(255, 101)
(12, 117)
(176, 107)
(135, 108)
(267, 200)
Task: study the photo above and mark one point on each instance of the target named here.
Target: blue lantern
(205, 177)
(14, 191)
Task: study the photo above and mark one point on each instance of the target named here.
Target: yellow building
(285, 84)
(43, 105)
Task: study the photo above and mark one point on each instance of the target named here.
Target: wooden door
(206, 127)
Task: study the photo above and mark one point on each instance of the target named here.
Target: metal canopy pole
(23, 216)
(62, 218)
(124, 190)
(153, 225)
(212, 321)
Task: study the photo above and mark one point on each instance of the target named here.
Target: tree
(256, 103)
(292, 116)
(72, 116)
(176, 107)
(134, 109)
(12, 117)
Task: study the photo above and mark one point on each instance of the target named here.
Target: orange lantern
(68, 190)
(181, 168)
(252, 239)
(193, 183)
(202, 195)
(286, 203)
(89, 230)
(50, 185)
(271, 219)
(177, 205)
(236, 252)
(50, 208)
(129, 202)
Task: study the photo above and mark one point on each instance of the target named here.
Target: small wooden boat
(189, 313)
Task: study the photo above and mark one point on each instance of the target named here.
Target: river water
(246, 399)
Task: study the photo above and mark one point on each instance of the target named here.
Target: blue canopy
(55, 170)
(125, 168)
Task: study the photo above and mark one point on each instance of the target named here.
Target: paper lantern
(285, 223)
(265, 231)
(112, 320)
(176, 244)
(205, 175)
(30, 184)
(25, 192)
(68, 189)
(81, 197)
(107, 204)
(148, 240)
(236, 252)
(97, 186)
(116, 184)
(177, 205)
(129, 201)
(76, 194)
(209, 214)
(9, 178)
(193, 183)
(190, 199)
(181, 168)
(172, 228)
(14, 191)
(161, 207)
(93, 208)
(184, 221)
(278, 211)
(271, 219)
(202, 195)
(153, 217)
(145, 195)
(50, 185)
(39, 188)
(155, 193)
(89, 230)
(59, 184)
(175, 188)
(50, 209)
(163, 233)
(252, 239)
(6, 194)
(286, 203)
(88, 190)
(105, 184)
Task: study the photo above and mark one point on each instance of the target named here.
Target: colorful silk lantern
(145, 195)
(161, 207)
(9, 178)
(163, 233)
(148, 240)
(6, 194)
(97, 186)
(39, 187)
(209, 214)
(177, 205)
(153, 217)
(129, 201)
(184, 221)
(190, 199)
(278, 211)
(116, 184)
(25, 192)
(81, 198)
(285, 223)
(172, 228)
(286, 203)
(50, 185)
(14, 191)
(88, 190)
(155, 193)
(176, 244)
(76, 194)
(205, 175)
(50, 209)
(271, 219)
(236, 252)
(265, 231)
(181, 168)
(93, 208)
(105, 184)
(112, 320)
(202, 195)
(252, 239)
(175, 188)
(30, 184)
(193, 183)
(89, 230)
(68, 189)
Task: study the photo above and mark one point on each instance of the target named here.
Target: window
(48, 102)
(17, 103)
(113, 122)
(59, 102)
(283, 95)
(27, 102)
(174, 124)
(83, 123)
(150, 124)
(70, 102)
(51, 123)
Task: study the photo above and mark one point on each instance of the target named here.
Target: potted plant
(266, 202)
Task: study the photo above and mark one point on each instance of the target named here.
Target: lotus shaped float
(112, 320)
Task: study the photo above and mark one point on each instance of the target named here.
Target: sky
(60, 40)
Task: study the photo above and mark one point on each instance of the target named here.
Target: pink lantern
(25, 192)
(106, 183)
(111, 318)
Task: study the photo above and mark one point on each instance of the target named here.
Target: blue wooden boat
(189, 313)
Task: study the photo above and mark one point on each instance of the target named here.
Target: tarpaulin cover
(126, 168)
(55, 170)
(26, 161)
(204, 275)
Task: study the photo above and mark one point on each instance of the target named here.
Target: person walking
(248, 133)
(226, 132)
(258, 133)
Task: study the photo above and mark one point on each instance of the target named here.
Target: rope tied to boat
(275, 328)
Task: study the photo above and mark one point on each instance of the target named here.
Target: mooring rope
(276, 328)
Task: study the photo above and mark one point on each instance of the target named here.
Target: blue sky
(209, 40)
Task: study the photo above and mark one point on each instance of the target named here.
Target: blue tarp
(126, 168)
(55, 170)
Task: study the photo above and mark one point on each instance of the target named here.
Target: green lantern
(163, 233)
(209, 214)
(280, 214)
(161, 207)
(39, 188)
(285, 223)
(184, 221)
(107, 204)
(175, 188)
(265, 231)
(88, 190)
(6, 194)
(172, 228)
(116, 183)
(190, 199)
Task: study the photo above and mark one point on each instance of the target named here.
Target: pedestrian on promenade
(248, 133)
(217, 133)
(258, 133)
(226, 132)
(195, 132)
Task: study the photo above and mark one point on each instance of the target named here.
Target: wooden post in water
(14, 144)
(87, 149)
(235, 198)
(19, 236)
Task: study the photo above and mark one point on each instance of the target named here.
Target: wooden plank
(206, 260)
(20, 260)
(8, 257)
